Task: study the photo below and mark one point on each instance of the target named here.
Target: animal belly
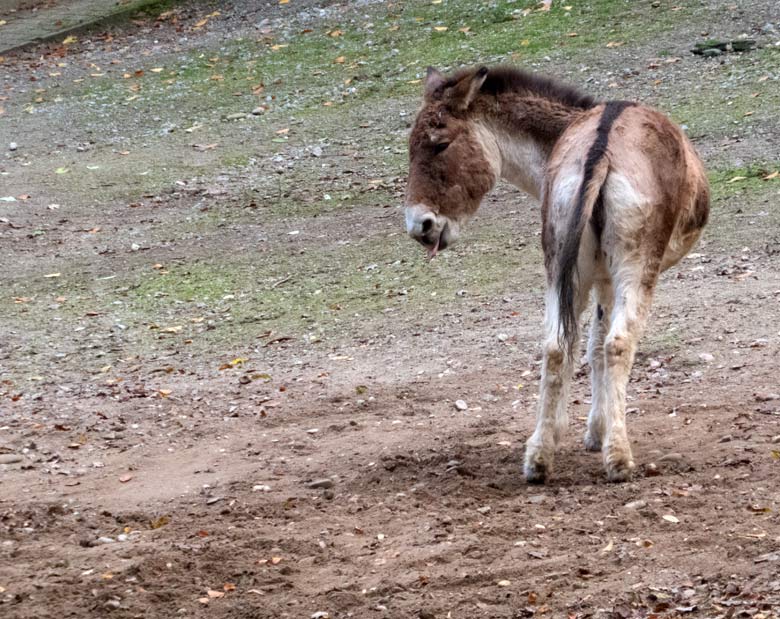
(679, 245)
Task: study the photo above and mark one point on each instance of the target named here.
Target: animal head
(452, 164)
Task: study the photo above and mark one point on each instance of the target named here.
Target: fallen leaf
(125, 478)
(769, 177)
(61, 171)
(335, 33)
(229, 586)
(775, 454)
(736, 178)
(672, 519)
(157, 70)
(159, 522)
(504, 583)
(52, 275)
(215, 594)
(440, 28)
(614, 43)
(69, 40)
(276, 560)
(340, 60)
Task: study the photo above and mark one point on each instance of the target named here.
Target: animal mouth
(440, 243)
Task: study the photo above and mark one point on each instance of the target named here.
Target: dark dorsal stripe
(570, 247)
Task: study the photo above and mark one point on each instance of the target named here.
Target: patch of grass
(314, 292)
(746, 96)
(742, 200)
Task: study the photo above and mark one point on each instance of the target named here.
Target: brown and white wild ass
(624, 196)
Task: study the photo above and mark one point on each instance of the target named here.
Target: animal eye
(440, 147)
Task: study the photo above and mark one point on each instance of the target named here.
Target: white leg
(599, 328)
(632, 302)
(551, 420)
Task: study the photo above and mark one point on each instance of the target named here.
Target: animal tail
(589, 197)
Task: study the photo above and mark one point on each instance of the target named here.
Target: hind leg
(599, 328)
(552, 419)
(633, 295)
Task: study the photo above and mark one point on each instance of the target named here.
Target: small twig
(281, 281)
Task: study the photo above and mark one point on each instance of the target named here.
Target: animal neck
(522, 132)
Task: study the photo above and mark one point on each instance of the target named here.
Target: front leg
(594, 435)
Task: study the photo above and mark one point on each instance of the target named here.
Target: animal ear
(466, 90)
(433, 79)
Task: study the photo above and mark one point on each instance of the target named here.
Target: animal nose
(419, 223)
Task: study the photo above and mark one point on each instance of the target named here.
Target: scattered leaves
(159, 522)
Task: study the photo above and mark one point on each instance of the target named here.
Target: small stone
(776, 439)
(10, 458)
(461, 405)
(214, 499)
(502, 337)
(258, 111)
(484, 510)
(651, 470)
(726, 439)
(122, 537)
(316, 151)
(105, 540)
(638, 504)
(711, 53)
(537, 499)
(321, 614)
(671, 457)
(320, 483)
(261, 488)
(706, 357)
(13, 146)
(236, 116)
(112, 604)
(504, 583)
(135, 247)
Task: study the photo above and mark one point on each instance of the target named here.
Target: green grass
(319, 290)
(745, 96)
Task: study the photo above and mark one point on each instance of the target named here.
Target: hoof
(620, 469)
(537, 468)
(592, 443)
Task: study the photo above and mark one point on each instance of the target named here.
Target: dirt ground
(227, 379)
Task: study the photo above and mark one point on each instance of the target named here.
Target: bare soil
(224, 394)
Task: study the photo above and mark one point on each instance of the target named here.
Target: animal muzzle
(434, 232)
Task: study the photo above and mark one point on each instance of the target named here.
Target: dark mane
(503, 78)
